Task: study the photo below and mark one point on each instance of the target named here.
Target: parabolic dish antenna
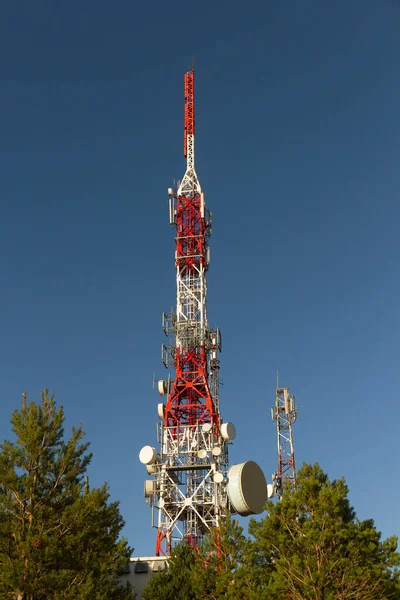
(247, 488)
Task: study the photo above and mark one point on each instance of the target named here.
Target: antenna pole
(189, 487)
(190, 491)
(284, 413)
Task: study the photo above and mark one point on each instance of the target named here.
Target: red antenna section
(189, 108)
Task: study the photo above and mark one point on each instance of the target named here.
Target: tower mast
(284, 413)
(190, 491)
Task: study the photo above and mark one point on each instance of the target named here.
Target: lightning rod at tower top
(192, 486)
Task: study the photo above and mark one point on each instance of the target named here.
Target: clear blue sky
(298, 147)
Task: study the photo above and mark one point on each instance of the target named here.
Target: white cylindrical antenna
(148, 455)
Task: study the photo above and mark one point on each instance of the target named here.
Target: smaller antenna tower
(284, 413)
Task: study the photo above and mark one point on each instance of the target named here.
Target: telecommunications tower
(284, 413)
(191, 487)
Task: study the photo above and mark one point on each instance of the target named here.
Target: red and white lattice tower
(284, 413)
(191, 489)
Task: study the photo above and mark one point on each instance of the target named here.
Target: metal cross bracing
(189, 496)
(284, 413)
(190, 183)
(191, 489)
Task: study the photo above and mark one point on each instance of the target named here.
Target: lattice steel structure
(284, 413)
(188, 492)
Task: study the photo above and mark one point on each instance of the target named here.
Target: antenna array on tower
(191, 487)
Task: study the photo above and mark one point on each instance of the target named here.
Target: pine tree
(311, 546)
(58, 539)
(221, 568)
(176, 583)
(308, 546)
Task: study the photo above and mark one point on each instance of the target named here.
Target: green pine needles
(308, 546)
(59, 540)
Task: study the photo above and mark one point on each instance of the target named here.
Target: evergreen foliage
(58, 539)
(311, 546)
(220, 567)
(308, 546)
(176, 583)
